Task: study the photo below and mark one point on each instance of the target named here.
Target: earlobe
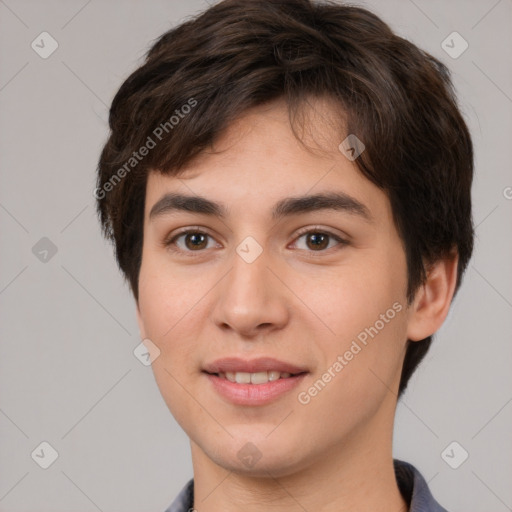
(433, 298)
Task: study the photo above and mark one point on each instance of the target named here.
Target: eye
(318, 240)
(193, 241)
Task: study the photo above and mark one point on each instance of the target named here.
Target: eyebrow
(339, 201)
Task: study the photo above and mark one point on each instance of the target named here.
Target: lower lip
(254, 394)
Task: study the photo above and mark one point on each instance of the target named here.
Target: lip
(260, 364)
(253, 394)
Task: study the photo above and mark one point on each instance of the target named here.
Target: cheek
(169, 306)
(352, 298)
(361, 363)
(166, 297)
(167, 311)
(365, 309)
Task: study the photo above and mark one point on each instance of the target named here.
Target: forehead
(258, 161)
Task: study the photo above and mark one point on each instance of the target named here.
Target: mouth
(267, 368)
(253, 382)
(256, 378)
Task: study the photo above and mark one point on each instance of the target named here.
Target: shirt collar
(415, 489)
(411, 483)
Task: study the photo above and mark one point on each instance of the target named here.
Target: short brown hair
(238, 54)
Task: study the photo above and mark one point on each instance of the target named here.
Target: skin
(296, 302)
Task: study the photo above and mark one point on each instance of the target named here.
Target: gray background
(68, 375)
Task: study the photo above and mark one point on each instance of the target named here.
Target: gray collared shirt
(412, 485)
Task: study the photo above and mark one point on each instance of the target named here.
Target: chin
(259, 457)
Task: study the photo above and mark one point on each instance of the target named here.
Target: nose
(252, 300)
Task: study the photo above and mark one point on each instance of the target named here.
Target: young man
(287, 185)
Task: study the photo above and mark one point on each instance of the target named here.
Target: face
(320, 285)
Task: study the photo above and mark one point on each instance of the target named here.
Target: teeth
(254, 378)
(242, 378)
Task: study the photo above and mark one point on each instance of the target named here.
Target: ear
(142, 330)
(432, 301)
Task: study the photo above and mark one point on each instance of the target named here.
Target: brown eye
(319, 241)
(195, 241)
(188, 241)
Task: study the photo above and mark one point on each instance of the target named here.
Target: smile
(254, 378)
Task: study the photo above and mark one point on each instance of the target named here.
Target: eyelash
(170, 242)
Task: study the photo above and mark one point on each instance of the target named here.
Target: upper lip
(260, 364)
